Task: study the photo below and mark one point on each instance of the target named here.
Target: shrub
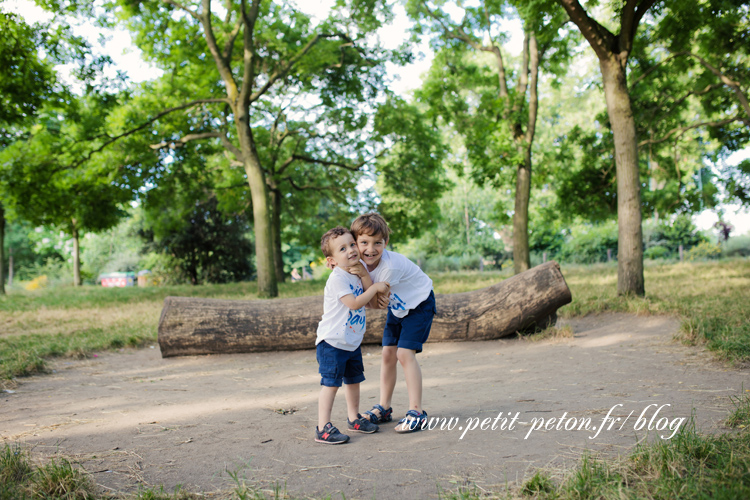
(739, 246)
(657, 252)
(703, 251)
(589, 244)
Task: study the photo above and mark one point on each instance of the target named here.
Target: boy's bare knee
(405, 355)
(390, 356)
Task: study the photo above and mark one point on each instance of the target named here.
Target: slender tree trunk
(521, 259)
(76, 258)
(278, 261)
(630, 233)
(2, 250)
(267, 285)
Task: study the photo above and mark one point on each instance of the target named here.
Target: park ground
(132, 423)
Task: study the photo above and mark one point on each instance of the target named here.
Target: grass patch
(690, 465)
(59, 479)
(709, 297)
(740, 416)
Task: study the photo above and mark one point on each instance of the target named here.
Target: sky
(406, 79)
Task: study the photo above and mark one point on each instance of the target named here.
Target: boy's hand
(384, 299)
(382, 287)
(358, 269)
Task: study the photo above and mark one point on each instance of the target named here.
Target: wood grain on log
(210, 326)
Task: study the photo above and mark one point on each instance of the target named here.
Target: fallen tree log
(209, 326)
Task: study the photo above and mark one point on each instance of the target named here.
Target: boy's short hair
(371, 224)
(331, 234)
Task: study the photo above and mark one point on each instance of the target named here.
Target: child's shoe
(330, 435)
(383, 415)
(361, 424)
(412, 422)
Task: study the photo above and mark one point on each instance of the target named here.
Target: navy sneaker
(330, 435)
(361, 424)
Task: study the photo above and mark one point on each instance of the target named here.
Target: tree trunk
(630, 233)
(76, 258)
(267, 285)
(208, 326)
(521, 259)
(2, 250)
(278, 261)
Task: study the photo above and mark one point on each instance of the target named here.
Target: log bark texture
(209, 326)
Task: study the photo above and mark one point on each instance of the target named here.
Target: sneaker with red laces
(361, 424)
(330, 435)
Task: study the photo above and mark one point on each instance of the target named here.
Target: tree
(203, 243)
(24, 82)
(613, 51)
(261, 53)
(45, 189)
(500, 123)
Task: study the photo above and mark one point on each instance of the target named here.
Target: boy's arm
(380, 300)
(360, 301)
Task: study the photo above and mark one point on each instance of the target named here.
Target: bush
(440, 264)
(704, 251)
(739, 246)
(589, 244)
(657, 252)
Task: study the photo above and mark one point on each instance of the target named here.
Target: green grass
(61, 479)
(710, 298)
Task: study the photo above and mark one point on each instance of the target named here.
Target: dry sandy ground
(133, 418)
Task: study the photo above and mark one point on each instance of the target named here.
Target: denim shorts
(337, 365)
(411, 331)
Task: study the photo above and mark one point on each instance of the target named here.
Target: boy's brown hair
(331, 234)
(371, 224)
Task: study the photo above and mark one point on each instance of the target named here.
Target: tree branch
(178, 5)
(682, 130)
(137, 129)
(735, 86)
(222, 65)
(599, 37)
(281, 73)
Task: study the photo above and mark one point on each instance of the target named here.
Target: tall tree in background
(716, 27)
(260, 53)
(46, 186)
(24, 83)
(501, 124)
(613, 51)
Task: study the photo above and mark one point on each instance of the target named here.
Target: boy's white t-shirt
(340, 326)
(410, 286)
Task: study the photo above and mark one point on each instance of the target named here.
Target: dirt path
(134, 418)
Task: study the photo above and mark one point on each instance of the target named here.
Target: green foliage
(26, 79)
(203, 243)
(411, 176)
(737, 246)
(704, 250)
(589, 243)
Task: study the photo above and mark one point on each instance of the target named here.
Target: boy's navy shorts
(411, 331)
(337, 365)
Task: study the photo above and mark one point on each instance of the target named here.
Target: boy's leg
(325, 404)
(388, 375)
(413, 376)
(351, 391)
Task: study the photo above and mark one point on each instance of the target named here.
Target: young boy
(410, 312)
(340, 333)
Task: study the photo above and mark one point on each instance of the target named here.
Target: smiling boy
(340, 334)
(410, 311)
